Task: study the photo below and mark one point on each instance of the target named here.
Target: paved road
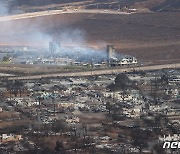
(55, 12)
(96, 72)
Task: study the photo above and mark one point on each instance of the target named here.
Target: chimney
(110, 51)
(53, 47)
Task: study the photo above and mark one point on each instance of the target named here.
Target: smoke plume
(32, 32)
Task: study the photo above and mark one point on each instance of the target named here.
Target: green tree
(122, 82)
(6, 58)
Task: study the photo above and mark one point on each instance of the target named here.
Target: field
(24, 69)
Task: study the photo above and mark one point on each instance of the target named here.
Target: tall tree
(59, 147)
(122, 82)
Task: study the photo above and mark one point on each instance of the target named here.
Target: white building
(123, 61)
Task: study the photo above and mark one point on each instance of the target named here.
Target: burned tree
(18, 86)
(59, 147)
(15, 88)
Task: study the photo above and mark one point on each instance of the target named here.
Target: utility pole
(10, 94)
(54, 107)
(84, 6)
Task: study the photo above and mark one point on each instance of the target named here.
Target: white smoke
(3, 9)
(74, 44)
(73, 41)
(73, 36)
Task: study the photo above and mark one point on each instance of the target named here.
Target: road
(97, 72)
(55, 12)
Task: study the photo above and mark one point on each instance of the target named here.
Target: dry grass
(13, 123)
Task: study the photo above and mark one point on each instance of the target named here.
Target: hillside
(148, 36)
(16, 6)
(168, 6)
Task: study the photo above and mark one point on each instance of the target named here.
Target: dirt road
(55, 12)
(98, 72)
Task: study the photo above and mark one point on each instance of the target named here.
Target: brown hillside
(151, 36)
